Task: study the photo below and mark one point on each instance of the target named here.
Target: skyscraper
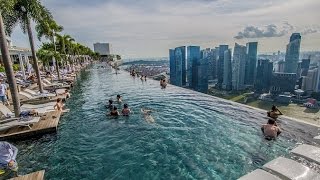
(251, 63)
(238, 67)
(264, 75)
(102, 48)
(227, 71)
(178, 66)
(292, 53)
(212, 65)
(220, 64)
(193, 56)
(305, 64)
(200, 75)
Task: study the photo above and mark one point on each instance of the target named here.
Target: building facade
(309, 82)
(102, 48)
(178, 66)
(238, 67)
(251, 63)
(227, 71)
(292, 53)
(200, 75)
(264, 75)
(305, 64)
(283, 82)
(220, 64)
(193, 57)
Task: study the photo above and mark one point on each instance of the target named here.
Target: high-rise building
(102, 48)
(193, 56)
(172, 62)
(251, 63)
(227, 71)
(280, 66)
(220, 64)
(238, 67)
(305, 64)
(212, 65)
(309, 82)
(292, 53)
(264, 75)
(283, 82)
(178, 65)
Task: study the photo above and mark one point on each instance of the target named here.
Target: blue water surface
(195, 136)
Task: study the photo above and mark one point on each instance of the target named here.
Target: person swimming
(110, 105)
(270, 130)
(125, 111)
(274, 113)
(119, 98)
(147, 115)
(59, 105)
(114, 111)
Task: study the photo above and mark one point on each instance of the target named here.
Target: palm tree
(48, 29)
(64, 42)
(5, 9)
(23, 12)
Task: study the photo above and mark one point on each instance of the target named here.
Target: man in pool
(274, 113)
(8, 163)
(147, 115)
(110, 105)
(126, 111)
(114, 111)
(270, 130)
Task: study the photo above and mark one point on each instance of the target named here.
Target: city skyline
(150, 28)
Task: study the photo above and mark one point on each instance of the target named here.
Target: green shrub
(16, 67)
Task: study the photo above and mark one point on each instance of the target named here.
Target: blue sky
(148, 28)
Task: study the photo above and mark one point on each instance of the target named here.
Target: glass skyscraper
(264, 75)
(178, 66)
(227, 71)
(200, 75)
(238, 67)
(292, 53)
(193, 56)
(251, 63)
(220, 64)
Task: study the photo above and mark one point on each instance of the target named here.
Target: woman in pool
(119, 98)
(114, 111)
(126, 111)
(59, 105)
(147, 115)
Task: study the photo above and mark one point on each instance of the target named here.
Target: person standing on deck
(3, 90)
(8, 163)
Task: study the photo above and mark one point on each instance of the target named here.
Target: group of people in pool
(114, 110)
(133, 73)
(271, 130)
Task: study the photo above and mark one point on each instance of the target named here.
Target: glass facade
(283, 82)
(220, 64)
(172, 66)
(292, 53)
(193, 56)
(251, 63)
(238, 67)
(227, 71)
(264, 74)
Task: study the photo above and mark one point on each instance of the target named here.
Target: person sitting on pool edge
(125, 111)
(114, 111)
(274, 113)
(270, 130)
(59, 105)
(110, 105)
(119, 98)
(8, 163)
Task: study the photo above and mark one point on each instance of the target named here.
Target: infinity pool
(195, 136)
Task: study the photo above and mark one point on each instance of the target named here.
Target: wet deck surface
(39, 175)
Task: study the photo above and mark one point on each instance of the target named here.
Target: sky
(149, 28)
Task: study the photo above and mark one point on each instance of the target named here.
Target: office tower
(220, 64)
(292, 53)
(305, 64)
(317, 89)
(280, 66)
(200, 75)
(193, 56)
(178, 66)
(251, 63)
(212, 65)
(227, 71)
(238, 67)
(264, 75)
(283, 82)
(310, 81)
(172, 62)
(102, 48)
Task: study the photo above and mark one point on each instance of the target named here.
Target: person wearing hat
(270, 130)
(3, 90)
(8, 163)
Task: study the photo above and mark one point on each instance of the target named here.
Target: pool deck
(47, 124)
(39, 175)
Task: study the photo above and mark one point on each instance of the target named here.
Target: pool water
(195, 136)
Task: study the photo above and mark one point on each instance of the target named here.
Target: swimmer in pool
(126, 111)
(114, 111)
(270, 130)
(147, 115)
(110, 105)
(119, 98)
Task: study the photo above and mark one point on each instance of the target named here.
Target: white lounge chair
(32, 106)
(19, 122)
(37, 94)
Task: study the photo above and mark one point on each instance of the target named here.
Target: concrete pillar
(22, 67)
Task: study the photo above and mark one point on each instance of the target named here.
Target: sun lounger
(20, 122)
(308, 152)
(32, 106)
(290, 169)
(259, 174)
(36, 94)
